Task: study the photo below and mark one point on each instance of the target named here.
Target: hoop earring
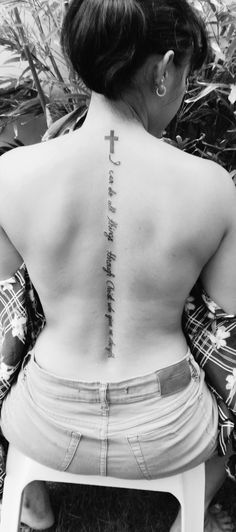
(161, 90)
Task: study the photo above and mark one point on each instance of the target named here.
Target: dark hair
(108, 40)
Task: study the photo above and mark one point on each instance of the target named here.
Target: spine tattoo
(109, 234)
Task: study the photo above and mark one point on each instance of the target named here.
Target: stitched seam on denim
(26, 360)
(206, 418)
(133, 399)
(71, 450)
(137, 452)
(195, 371)
(103, 430)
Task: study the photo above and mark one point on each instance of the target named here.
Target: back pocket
(150, 451)
(74, 442)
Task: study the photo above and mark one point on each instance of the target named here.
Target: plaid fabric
(21, 321)
(211, 335)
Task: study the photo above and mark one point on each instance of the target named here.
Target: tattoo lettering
(117, 163)
(112, 226)
(109, 347)
(110, 290)
(110, 252)
(111, 192)
(108, 269)
(111, 207)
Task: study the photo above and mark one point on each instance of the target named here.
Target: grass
(97, 509)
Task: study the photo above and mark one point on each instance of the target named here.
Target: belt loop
(104, 425)
(158, 383)
(25, 362)
(103, 396)
(26, 359)
(194, 368)
(103, 392)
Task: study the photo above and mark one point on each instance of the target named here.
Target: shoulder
(212, 188)
(204, 177)
(16, 163)
(27, 162)
(20, 171)
(202, 187)
(213, 194)
(216, 186)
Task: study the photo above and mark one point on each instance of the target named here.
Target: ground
(97, 509)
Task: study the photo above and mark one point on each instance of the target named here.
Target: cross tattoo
(112, 140)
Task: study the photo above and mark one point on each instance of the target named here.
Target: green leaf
(231, 49)
(232, 94)
(210, 88)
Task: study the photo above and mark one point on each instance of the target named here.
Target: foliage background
(30, 31)
(35, 78)
(206, 123)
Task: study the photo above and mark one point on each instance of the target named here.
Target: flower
(18, 324)
(218, 339)
(6, 371)
(211, 305)
(7, 284)
(31, 295)
(231, 380)
(189, 305)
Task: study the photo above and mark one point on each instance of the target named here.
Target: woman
(111, 223)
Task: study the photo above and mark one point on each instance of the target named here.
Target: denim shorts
(145, 427)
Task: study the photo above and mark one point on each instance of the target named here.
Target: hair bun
(101, 39)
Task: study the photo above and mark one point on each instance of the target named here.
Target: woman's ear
(167, 60)
(162, 66)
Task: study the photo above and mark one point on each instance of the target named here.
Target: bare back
(55, 211)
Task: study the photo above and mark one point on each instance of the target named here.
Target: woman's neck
(122, 111)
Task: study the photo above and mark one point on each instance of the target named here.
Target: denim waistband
(165, 381)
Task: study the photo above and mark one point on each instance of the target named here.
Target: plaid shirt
(211, 335)
(21, 321)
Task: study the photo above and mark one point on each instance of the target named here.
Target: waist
(166, 381)
(92, 363)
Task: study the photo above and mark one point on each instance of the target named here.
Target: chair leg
(194, 496)
(192, 522)
(11, 505)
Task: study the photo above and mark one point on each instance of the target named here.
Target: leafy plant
(30, 31)
(7, 146)
(206, 123)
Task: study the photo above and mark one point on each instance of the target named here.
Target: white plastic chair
(188, 488)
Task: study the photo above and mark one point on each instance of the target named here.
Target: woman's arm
(10, 259)
(219, 275)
